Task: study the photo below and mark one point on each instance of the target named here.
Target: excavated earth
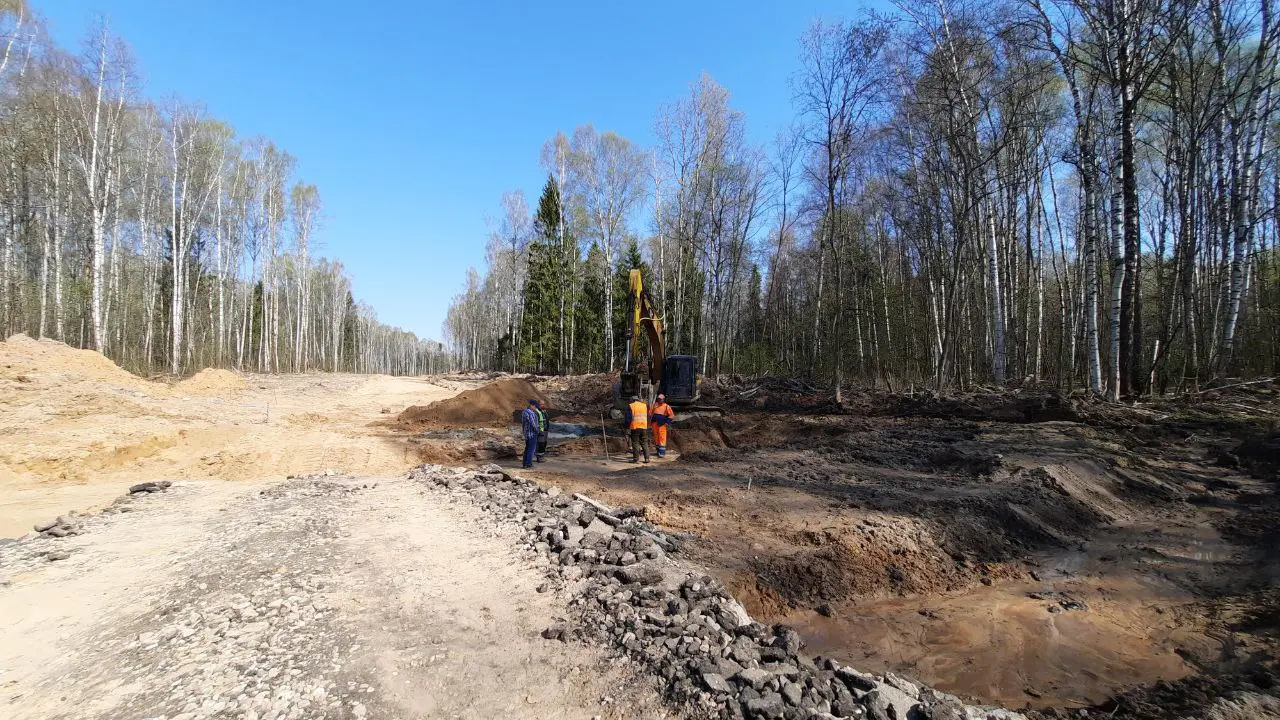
(1024, 549)
(796, 558)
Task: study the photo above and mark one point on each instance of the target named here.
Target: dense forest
(151, 233)
(1075, 192)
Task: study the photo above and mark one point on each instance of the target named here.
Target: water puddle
(571, 431)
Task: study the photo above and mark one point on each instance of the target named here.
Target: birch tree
(104, 88)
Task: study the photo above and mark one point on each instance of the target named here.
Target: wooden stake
(605, 434)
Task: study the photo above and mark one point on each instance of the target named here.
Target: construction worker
(637, 423)
(529, 428)
(541, 453)
(662, 417)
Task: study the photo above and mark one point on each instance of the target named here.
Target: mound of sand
(20, 355)
(495, 404)
(212, 381)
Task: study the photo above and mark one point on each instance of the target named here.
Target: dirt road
(74, 427)
(317, 597)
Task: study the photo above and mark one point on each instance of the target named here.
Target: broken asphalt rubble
(626, 592)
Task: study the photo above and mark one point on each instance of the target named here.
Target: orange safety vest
(639, 415)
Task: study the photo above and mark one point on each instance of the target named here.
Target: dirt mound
(1032, 407)
(21, 355)
(494, 405)
(830, 566)
(581, 394)
(212, 381)
(702, 439)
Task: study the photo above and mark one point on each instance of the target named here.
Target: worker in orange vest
(637, 423)
(662, 417)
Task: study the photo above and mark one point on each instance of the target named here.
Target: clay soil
(1025, 548)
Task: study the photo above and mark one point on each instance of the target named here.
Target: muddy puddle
(561, 431)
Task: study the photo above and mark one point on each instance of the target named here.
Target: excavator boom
(644, 316)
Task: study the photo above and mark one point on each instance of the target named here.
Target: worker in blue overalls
(529, 425)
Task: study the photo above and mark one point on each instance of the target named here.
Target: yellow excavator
(675, 376)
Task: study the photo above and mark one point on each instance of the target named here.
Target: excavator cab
(680, 379)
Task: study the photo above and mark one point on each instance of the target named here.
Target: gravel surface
(317, 597)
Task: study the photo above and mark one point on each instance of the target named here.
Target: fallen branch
(1234, 385)
(1247, 408)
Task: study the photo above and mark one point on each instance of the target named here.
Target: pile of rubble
(626, 591)
(60, 527)
(73, 523)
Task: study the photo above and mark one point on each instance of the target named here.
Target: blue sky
(413, 118)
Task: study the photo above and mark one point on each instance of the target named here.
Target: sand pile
(21, 355)
(495, 404)
(212, 381)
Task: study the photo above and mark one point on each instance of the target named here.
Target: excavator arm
(644, 316)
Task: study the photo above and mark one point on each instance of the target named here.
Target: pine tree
(350, 346)
(546, 311)
(538, 320)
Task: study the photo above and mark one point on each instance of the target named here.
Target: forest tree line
(151, 233)
(1077, 192)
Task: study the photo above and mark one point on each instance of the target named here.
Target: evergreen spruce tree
(549, 290)
(537, 324)
(349, 321)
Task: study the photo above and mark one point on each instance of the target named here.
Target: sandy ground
(318, 597)
(74, 428)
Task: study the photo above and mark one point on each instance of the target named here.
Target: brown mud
(496, 404)
(1031, 549)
